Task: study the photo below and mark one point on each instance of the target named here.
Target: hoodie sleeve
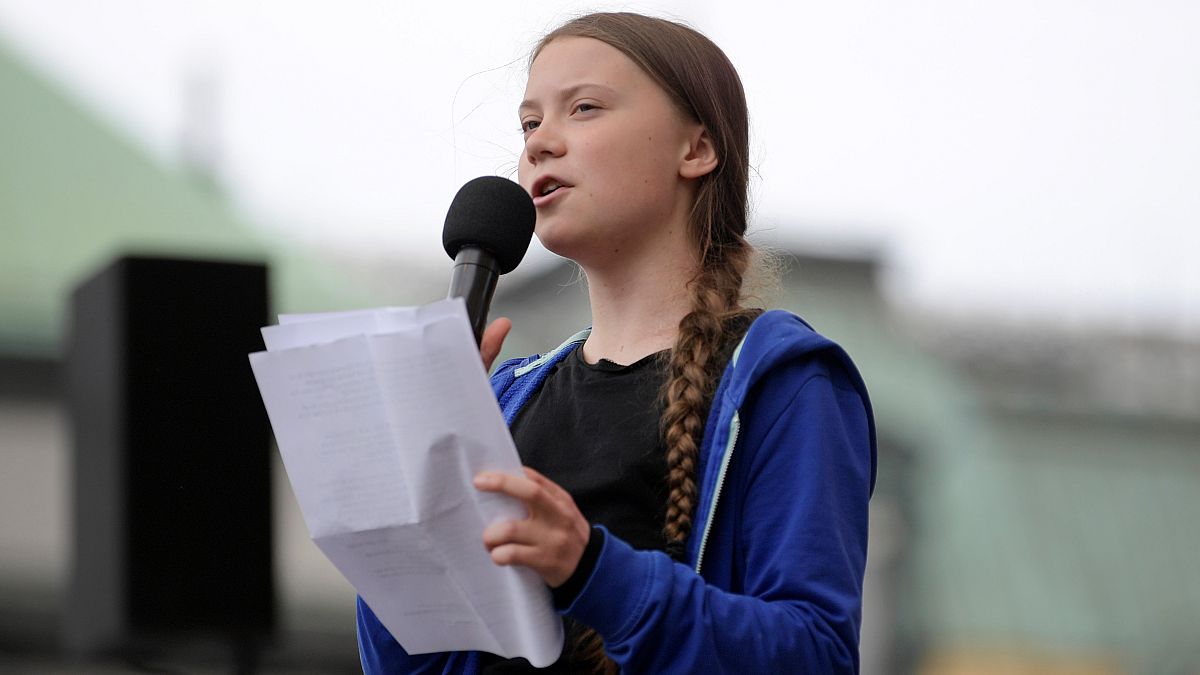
(789, 544)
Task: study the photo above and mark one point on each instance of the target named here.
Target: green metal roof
(74, 194)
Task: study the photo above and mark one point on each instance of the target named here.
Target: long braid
(696, 362)
(688, 391)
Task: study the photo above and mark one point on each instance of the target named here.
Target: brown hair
(705, 87)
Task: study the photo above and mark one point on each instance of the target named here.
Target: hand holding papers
(382, 418)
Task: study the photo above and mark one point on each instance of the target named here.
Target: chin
(557, 245)
(556, 238)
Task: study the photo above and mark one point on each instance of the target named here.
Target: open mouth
(545, 187)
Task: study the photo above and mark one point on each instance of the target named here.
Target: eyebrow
(568, 93)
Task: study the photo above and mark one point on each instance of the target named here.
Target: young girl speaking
(698, 471)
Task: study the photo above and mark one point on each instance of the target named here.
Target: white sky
(1027, 158)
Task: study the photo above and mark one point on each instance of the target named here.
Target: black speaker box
(172, 460)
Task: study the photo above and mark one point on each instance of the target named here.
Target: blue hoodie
(779, 541)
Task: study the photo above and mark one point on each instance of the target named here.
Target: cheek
(638, 169)
(627, 162)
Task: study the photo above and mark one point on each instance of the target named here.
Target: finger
(519, 487)
(532, 495)
(550, 486)
(551, 569)
(518, 554)
(492, 340)
(504, 532)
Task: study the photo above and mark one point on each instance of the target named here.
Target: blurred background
(993, 206)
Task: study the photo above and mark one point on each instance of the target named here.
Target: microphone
(487, 232)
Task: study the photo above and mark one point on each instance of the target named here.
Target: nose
(545, 141)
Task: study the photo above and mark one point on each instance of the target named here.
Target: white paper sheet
(382, 419)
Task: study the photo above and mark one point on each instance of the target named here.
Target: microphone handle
(474, 280)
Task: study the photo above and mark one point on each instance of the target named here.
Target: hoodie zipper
(735, 426)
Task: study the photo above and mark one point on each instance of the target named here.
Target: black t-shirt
(594, 430)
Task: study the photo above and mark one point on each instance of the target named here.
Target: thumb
(492, 340)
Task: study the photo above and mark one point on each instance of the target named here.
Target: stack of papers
(383, 417)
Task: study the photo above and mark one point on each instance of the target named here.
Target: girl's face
(604, 147)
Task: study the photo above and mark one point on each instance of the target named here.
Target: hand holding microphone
(487, 231)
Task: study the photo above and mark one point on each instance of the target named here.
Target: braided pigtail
(688, 391)
(696, 362)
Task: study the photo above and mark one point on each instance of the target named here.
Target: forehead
(568, 61)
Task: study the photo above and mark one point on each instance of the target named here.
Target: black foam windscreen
(494, 214)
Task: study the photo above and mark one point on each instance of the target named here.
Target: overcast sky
(1026, 158)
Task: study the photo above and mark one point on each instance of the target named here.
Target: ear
(700, 155)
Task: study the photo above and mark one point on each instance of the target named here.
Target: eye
(529, 125)
(584, 107)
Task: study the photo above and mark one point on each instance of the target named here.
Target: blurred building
(1074, 526)
(1038, 491)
